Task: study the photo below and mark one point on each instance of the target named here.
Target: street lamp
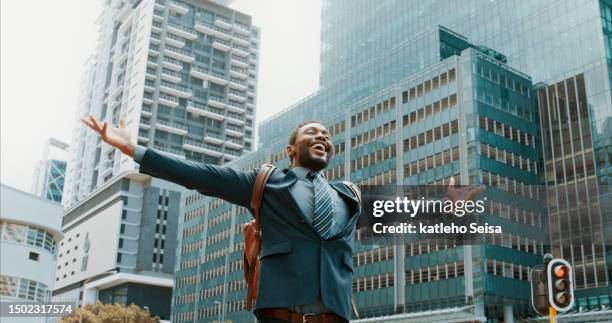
(219, 303)
(108, 272)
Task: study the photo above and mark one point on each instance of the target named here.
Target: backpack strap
(357, 194)
(258, 188)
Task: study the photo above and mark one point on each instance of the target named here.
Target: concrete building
(29, 235)
(183, 74)
(119, 245)
(50, 173)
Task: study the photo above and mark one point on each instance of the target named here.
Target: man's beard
(307, 160)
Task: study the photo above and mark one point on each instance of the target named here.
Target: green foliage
(110, 313)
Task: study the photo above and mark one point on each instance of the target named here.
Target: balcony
(238, 84)
(216, 101)
(213, 138)
(159, 4)
(202, 148)
(241, 40)
(181, 9)
(158, 15)
(147, 98)
(235, 119)
(179, 54)
(151, 74)
(212, 30)
(205, 111)
(123, 12)
(172, 152)
(172, 64)
(208, 75)
(170, 76)
(235, 108)
(175, 89)
(182, 31)
(236, 95)
(144, 126)
(221, 44)
(239, 73)
(154, 39)
(239, 62)
(152, 62)
(175, 41)
(241, 29)
(234, 131)
(168, 100)
(223, 23)
(143, 139)
(171, 127)
(146, 111)
(149, 86)
(156, 27)
(240, 51)
(233, 144)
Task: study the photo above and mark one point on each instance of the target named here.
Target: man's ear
(290, 150)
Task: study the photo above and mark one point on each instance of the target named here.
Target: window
(33, 256)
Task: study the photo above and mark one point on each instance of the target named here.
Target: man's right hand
(117, 137)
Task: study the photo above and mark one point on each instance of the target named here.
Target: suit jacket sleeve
(223, 182)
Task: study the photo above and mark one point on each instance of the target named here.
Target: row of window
(372, 256)
(373, 134)
(506, 131)
(507, 269)
(374, 157)
(429, 110)
(442, 158)
(513, 213)
(508, 158)
(432, 273)
(373, 111)
(382, 280)
(428, 86)
(429, 136)
(510, 185)
(334, 173)
(515, 242)
(22, 288)
(28, 235)
(383, 178)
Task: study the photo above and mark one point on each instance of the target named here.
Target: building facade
(467, 115)
(564, 46)
(50, 173)
(29, 234)
(120, 243)
(183, 74)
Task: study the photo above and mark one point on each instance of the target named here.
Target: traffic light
(560, 285)
(539, 290)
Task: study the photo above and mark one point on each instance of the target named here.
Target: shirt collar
(302, 173)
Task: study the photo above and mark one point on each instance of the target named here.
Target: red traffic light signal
(560, 285)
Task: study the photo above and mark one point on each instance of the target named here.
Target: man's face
(313, 148)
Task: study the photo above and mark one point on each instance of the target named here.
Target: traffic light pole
(552, 315)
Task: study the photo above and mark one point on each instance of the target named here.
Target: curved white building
(29, 233)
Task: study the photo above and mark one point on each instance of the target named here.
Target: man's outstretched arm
(219, 181)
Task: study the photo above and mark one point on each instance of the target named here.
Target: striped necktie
(324, 206)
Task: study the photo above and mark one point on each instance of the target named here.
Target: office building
(564, 46)
(29, 235)
(183, 74)
(50, 173)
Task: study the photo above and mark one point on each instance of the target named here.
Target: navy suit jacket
(296, 265)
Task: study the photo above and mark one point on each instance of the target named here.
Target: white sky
(44, 45)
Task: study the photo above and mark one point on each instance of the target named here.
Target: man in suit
(307, 224)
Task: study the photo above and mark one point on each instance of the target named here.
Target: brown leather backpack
(252, 236)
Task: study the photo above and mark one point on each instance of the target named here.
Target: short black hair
(293, 136)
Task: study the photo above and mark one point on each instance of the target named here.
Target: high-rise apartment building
(50, 173)
(409, 102)
(183, 74)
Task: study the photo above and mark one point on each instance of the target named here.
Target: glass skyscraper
(511, 94)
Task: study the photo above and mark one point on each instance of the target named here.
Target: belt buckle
(305, 317)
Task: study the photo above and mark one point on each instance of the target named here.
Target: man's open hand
(117, 137)
(463, 193)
